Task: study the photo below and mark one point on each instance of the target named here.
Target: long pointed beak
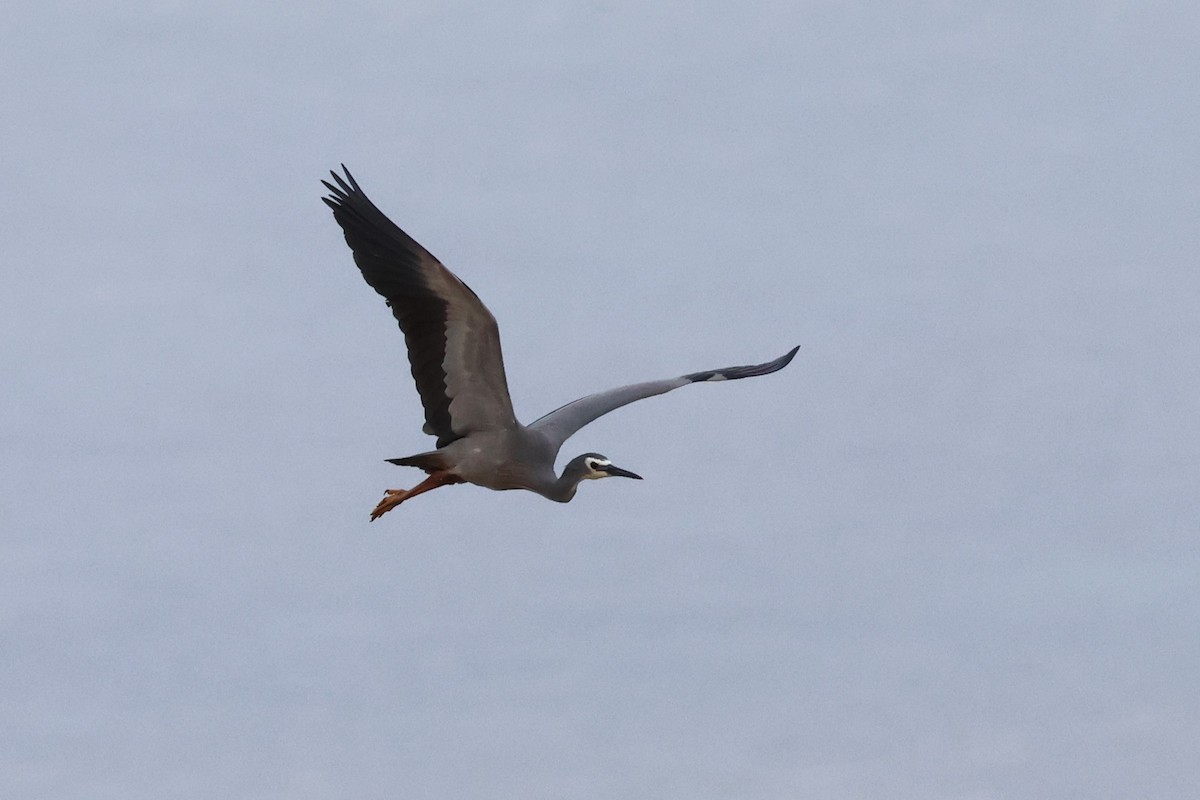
(617, 472)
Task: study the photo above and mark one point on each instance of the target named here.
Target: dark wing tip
(748, 371)
(786, 358)
(341, 192)
(353, 184)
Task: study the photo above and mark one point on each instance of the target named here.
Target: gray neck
(562, 489)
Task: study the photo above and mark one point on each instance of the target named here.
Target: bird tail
(431, 462)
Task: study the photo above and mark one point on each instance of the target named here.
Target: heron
(454, 351)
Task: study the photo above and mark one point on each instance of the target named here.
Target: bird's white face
(597, 468)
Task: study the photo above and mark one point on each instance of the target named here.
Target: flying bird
(454, 350)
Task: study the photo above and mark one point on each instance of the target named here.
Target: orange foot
(391, 499)
(394, 497)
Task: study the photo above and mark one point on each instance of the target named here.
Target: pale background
(951, 552)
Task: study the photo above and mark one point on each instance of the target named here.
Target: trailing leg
(394, 497)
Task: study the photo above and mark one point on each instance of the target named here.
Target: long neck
(562, 489)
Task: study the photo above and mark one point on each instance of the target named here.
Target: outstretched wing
(453, 341)
(560, 425)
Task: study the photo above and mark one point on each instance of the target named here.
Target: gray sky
(951, 552)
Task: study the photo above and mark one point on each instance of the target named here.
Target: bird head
(593, 466)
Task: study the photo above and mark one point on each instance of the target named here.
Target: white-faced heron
(454, 349)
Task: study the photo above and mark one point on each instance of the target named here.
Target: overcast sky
(950, 552)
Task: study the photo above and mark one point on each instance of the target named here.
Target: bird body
(454, 353)
(482, 459)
